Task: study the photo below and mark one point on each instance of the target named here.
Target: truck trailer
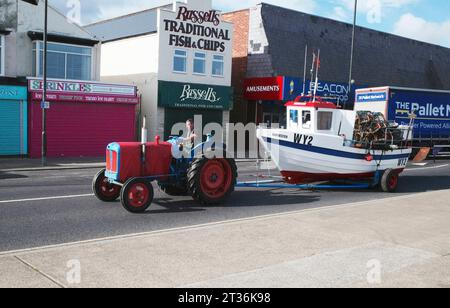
(431, 108)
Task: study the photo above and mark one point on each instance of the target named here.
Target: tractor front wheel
(103, 189)
(211, 181)
(137, 195)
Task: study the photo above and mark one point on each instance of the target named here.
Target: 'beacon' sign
(197, 30)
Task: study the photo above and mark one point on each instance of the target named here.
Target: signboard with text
(264, 89)
(196, 29)
(195, 96)
(80, 87)
(80, 91)
(285, 88)
(13, 93)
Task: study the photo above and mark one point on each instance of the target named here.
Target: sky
(424, 20)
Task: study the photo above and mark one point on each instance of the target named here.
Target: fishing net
(372, 130)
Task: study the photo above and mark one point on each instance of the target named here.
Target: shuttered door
(82, 129)
(13, 121)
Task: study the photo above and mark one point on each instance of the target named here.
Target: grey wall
(380, 59)
(8, 14)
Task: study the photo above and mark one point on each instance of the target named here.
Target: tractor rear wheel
(103, 189)
(137, 195)
(211, 181)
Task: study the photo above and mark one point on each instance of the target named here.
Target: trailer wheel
(137, 195)
(103, 189)
(389, 181)
(211, 181)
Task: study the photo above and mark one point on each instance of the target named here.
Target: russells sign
(198, 96)
(197, 30)
(200, 17)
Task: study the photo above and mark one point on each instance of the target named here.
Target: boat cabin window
(294, 116)
(324, 120)
(306, 119)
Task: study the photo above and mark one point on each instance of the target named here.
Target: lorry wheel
(389, 181)
(137, 195)
(173, 190)
(103, 189)
(211, 181)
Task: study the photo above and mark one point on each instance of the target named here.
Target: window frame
(37, 49)
(218, 61)
(181, 57)
(2, 55)
(319, 120)
(196, 58)
(303, 123)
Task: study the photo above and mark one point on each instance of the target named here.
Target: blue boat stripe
(331, 152)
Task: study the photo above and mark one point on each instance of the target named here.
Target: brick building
(275, 39)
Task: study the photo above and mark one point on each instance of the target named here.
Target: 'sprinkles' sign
(196, 96)
(189, 25)
(55, 86)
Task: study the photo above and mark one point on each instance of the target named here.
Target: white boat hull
(303, 158)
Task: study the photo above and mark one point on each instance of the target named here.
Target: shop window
(180, 61)
(2, 55)
(218, 66)
(199, 63)
(324, 120)
(64, 61)
(306, 119)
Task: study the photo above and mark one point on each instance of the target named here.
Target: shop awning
(5, 31)
(59, 38)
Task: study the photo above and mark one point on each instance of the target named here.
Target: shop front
(269, 95)
(82, 118)
(13, 120)
(183, 101)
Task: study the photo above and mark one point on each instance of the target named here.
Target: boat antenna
(304, 71)
(312, 72)
(316, 85)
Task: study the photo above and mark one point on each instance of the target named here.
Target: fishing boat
(318, 145)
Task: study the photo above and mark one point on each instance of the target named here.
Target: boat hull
(313, 158)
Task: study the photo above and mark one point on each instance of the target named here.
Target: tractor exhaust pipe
(144, 140)
(144, 132)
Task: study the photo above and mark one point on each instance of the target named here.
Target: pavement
(400, 242)
(15, 164)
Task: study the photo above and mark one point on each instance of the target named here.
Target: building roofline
(351, 25)
(125, 16)
(75, 24)
(61, 38)
(129, 37)
(238, 11)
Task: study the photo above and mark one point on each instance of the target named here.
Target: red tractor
(132, 167)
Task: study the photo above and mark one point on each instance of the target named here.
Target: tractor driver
(189, 141)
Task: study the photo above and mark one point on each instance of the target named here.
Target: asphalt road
(68, 212)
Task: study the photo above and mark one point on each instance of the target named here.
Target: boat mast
(304, 71)
(312, 72)
(316, 84)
